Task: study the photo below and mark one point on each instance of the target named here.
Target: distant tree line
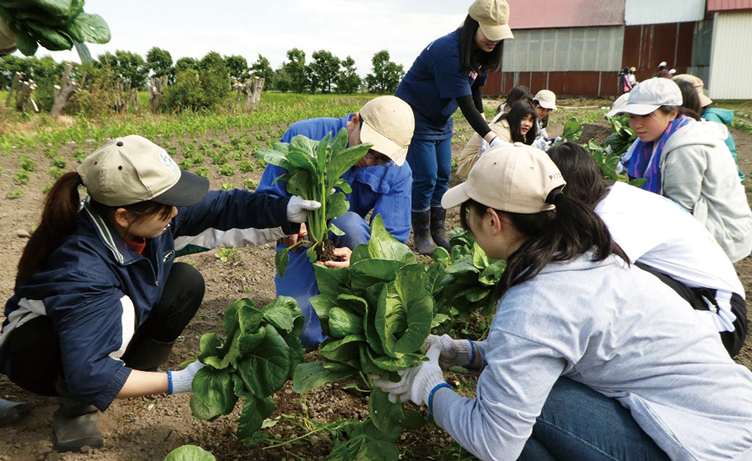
(195, 83)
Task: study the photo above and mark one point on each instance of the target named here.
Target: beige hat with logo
(493, 17)
(133, 169)
(388, 124)
(699, 87)
(515, 178)
(546, 99)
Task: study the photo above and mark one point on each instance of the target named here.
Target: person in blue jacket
(448, 74)
(381, 184)
(99, 299)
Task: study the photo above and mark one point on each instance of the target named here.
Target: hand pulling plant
(467, 286)
(314, 170)
(259, 353)
(377, 313)
(54, 24)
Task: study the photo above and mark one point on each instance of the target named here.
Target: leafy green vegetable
(377, 314)
(54, 24)
(314, 171)
(189, 453)
(260, 351)
(467, 282)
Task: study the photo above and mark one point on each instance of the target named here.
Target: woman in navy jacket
(448, 74)
(99, 300)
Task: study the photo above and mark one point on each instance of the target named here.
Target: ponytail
(59, 218)
(562, 234)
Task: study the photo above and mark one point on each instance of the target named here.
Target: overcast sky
(357, 28)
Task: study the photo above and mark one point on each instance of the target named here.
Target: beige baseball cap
(516, 178)
(133, 169)
(546, 99)
(699, 87)
(493, 17)
(388, 124)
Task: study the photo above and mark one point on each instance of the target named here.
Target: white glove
(496, 142)
(297, 208)
(180, 381)
(417, 382)
(454, 352)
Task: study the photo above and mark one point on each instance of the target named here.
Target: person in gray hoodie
(712, 114)
(578, 364)
(689, 163)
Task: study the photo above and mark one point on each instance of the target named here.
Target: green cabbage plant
(258, 354)
(314, 172)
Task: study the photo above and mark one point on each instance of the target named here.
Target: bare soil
(149, 428)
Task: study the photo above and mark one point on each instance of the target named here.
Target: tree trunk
(14, 87)
(251, 90)
(156, 92)
(63, 92)
(134, 102)
(23, 96)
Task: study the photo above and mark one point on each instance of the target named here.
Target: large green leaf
(201, 411)
(230, 319)
(91, 28)
(360, 253)
(480, 260)
(301, 183)
(343, 323)
(396, 364)
(311, 375)
(300, 161)
(189, 453)
(209, 345)
(329, 281)
(337, 205)
(342, 350)
(282, 312)
(248, 342)
(343, 160)
(364, 274)
(255, 411)
(273, 156)
(354, 304)
(304, 145)
(380, 409)
(266, 369)
(322, 305)
(281, 261)
(403, 317)
(383, 246)
(214, 388)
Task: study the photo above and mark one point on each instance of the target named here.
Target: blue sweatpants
(299, 281)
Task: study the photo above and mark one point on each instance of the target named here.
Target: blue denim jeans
(578, 423)
(299, 281)
(431, 163)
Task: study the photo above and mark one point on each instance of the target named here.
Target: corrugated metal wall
(564, 50)
(646, 46)
(730, 66)
(643, 12)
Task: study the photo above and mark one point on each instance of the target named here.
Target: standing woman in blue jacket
(449, 74)
(99, 299)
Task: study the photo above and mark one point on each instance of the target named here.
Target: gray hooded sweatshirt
(699, 174)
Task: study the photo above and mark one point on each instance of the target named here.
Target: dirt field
(149, 428)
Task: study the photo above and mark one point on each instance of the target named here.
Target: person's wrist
(432, 394)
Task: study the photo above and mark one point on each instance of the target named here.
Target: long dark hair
(474, 59)
(585, 180)
(690, 98)
(60, 218)
(563, 234)
(518, 93)
(519, 112)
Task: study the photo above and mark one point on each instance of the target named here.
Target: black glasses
(379, 158)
